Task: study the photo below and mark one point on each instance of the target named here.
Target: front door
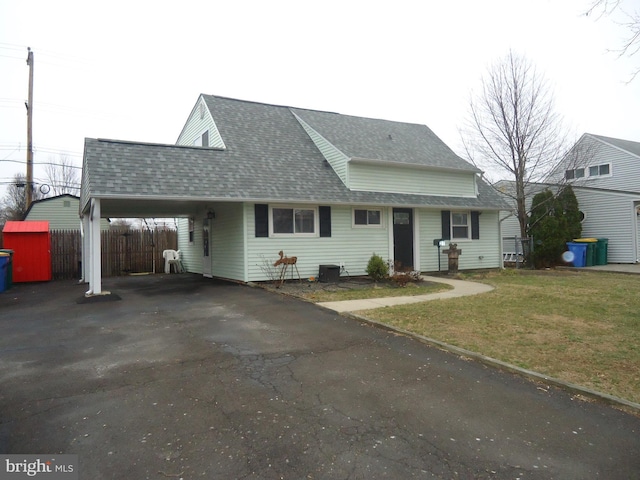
(403, 238)
(206, 247)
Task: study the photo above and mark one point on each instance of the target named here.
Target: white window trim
(353, 218)
(574, 179)
(588, 173)
(462, 239)
(316, 222)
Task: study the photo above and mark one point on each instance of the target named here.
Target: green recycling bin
(591, 249)
(602, 251)
(9, 268)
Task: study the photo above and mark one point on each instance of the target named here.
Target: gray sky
(133, 70)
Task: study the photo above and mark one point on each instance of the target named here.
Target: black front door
(403, 237)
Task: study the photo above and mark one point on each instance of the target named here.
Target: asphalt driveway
(186, 377)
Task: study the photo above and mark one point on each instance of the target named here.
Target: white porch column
(86, 245)
(95, 268)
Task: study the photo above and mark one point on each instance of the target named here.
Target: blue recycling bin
(579, 251)
(4, 264)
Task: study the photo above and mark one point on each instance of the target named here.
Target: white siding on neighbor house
(481, 253)
(510, 229)
(384, 178)
(610, 215)
(624, 166)
(335, 157)
(637, 206)
(62, 213)
(349, 245)
(196, 126)
(625, 170)
(227, 241)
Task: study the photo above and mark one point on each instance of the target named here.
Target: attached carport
(140, 180)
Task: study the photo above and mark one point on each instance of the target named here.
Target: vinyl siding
(610, 216)
(510, 229)
(352, 246)
(625, 167)
(60, 217)
(190, 253)
(625, 170)
(334, 157)
(382, 178)
(227, 241)
(487, 247)
(195, 126)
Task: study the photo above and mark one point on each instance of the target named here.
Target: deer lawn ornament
(285, 262)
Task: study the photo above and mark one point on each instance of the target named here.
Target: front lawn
(581, 327)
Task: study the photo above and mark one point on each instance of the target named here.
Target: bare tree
(513, 128)
(62, 176)
(14, 203)
(631, 44)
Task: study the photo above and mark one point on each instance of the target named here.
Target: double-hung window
(367, 217)
(300, 221)
(460, 226)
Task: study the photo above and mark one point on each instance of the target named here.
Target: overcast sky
(133, 69)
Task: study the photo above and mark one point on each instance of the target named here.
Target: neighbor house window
(460, 225)
(600, 170)
(574, 173)
(367, 218)
(294, 221)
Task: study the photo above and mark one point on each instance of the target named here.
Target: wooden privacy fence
(123, 252)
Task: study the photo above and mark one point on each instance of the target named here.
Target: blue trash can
(579, 251)
(4, 263)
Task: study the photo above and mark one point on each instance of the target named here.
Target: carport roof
(268, 158)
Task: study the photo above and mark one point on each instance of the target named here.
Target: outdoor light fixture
(211, 214)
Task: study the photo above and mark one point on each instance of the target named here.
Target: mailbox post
(453, 253)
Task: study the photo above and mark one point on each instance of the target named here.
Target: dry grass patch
(581, 327)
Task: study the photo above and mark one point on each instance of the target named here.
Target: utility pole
(29, 191)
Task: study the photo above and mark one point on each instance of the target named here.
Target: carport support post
(95, 267)
(86, 246)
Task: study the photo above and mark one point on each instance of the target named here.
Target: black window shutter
(262, 219)
(325, 221)
(446, 224)
(475, 225)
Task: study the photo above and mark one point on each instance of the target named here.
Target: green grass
(581, 327)
(380, 291)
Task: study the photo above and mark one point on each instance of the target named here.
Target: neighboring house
(62, 212)
(247, 180)
(604, 173)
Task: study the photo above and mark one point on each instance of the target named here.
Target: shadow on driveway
(187, 377)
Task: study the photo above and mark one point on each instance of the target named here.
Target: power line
(41, 163)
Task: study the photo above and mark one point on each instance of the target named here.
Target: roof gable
(384, 140)
(626, 145)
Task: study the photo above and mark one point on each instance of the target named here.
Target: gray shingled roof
(384, 140)
(269, 157)
(628, 145)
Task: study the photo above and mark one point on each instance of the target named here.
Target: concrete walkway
(460, 288)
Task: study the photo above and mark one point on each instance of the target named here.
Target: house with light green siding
(60, 211)
(246, 180)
